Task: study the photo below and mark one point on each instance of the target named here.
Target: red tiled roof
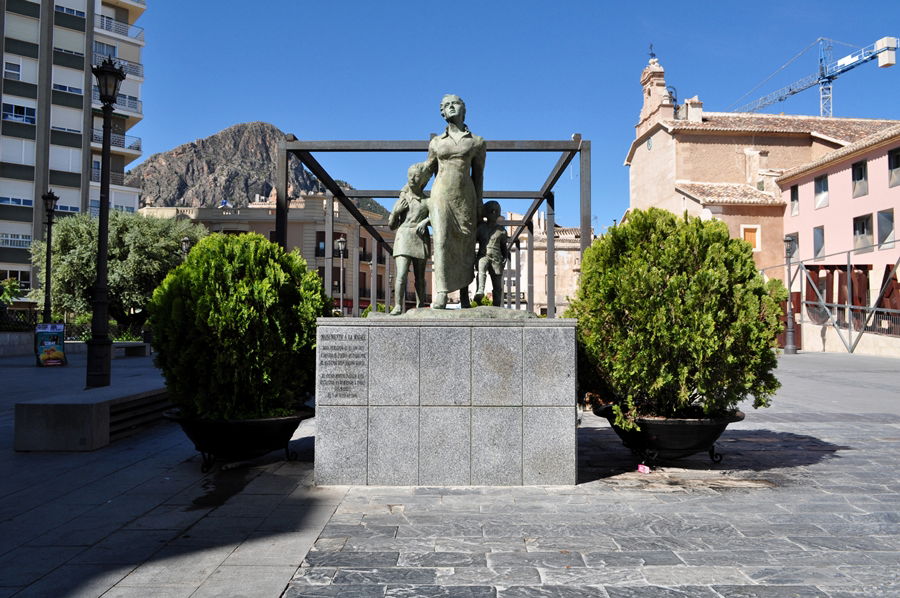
(727, 194)
(843, 130)
(884, 135)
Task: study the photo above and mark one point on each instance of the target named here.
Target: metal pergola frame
(303, 151)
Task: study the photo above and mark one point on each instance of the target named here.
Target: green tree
(234, 327)
(674, 318)
(142, 250)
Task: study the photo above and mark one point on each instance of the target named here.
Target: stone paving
(805, 503)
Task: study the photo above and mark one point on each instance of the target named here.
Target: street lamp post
(50, 200)
(789, 347)
(185, 247)
(99, 347)
(342, 245)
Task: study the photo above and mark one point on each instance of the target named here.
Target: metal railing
(115, 178)
(124, 141)
(131, 68)
(119, 27)
(859, 311)
(122, 102)
(13, 320)
(15, 243)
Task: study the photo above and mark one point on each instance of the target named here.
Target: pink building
(841, 209)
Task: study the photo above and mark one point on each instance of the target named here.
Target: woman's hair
(453, 95)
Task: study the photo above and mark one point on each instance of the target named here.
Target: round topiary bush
(234, 329)
(674, 320)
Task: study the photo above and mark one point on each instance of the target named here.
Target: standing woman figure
(456, 157)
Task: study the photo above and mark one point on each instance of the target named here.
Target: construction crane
(885, 50)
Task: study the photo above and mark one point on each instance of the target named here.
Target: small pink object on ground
(643, 468)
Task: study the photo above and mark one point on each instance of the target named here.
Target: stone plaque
(342, 360)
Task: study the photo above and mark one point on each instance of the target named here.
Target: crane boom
(884, 49)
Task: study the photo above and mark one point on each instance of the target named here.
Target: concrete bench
(85, 420)
(131, 349)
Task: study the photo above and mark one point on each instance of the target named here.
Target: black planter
(237, 440)
(661, 439)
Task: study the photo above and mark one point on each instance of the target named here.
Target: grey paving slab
(245, 580)
(548, 591)
(441, 592)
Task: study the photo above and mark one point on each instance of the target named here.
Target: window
(819, 241)
(65, 51)
(59, 87)
(795, 245)
(17, 113)
(750, 233)
(16, 201)
(23, 276)
(886, 229)
(104, 49)
(894, 167)
(70, 11)
(62, 208)
(17, 151)
(12, 70)
(795, 200)
(821, 186)
(15, 240)
(859, 173)
(862, 233)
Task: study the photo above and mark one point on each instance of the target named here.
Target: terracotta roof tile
(727, 194)
(845, 130)
(885, 135)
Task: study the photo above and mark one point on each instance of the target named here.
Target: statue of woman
(455, 207)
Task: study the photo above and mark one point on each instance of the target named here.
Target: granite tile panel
(497, 446)
(496, 366)
(549, 374)
(549, 445)
(341, 445)
(444, 445)
(446, 365)
(393, 458)
(394, 366)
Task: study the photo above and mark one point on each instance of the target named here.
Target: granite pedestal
(464, 402)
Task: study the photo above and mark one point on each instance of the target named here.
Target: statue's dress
(408, 212)
(454, 207)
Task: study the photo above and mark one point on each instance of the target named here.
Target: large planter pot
(235, 440)
(671, 438)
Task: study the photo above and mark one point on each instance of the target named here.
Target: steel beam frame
(303, 151)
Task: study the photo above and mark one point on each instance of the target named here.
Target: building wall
(722, 158)
(769, 219)
(652, 174)
(837, 217)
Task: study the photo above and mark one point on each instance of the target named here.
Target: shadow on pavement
(602, 455)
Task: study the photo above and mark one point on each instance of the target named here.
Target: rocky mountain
(235, 164)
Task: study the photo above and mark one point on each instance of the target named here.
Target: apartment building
(51, 127)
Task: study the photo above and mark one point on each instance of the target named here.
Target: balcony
(115, 178)
(365, 256)
(135, 69)
(118, 27)
(123, 141)
(122, 102)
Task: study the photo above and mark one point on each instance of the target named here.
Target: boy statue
(493, 252)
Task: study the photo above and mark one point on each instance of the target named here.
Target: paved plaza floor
(805, 503)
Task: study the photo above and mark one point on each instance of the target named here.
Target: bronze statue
(456, 157)
(412, 243)
(493, 252)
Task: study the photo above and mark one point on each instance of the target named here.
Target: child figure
(492, 252)
(412, 243)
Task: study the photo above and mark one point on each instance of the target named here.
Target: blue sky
(357, 69)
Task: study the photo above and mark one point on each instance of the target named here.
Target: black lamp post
(342, 245)
(185, 247)
(99, 347)
(50, 200)
(789, 347)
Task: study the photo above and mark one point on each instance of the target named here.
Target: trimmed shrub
(234, 328)
(674, 319)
